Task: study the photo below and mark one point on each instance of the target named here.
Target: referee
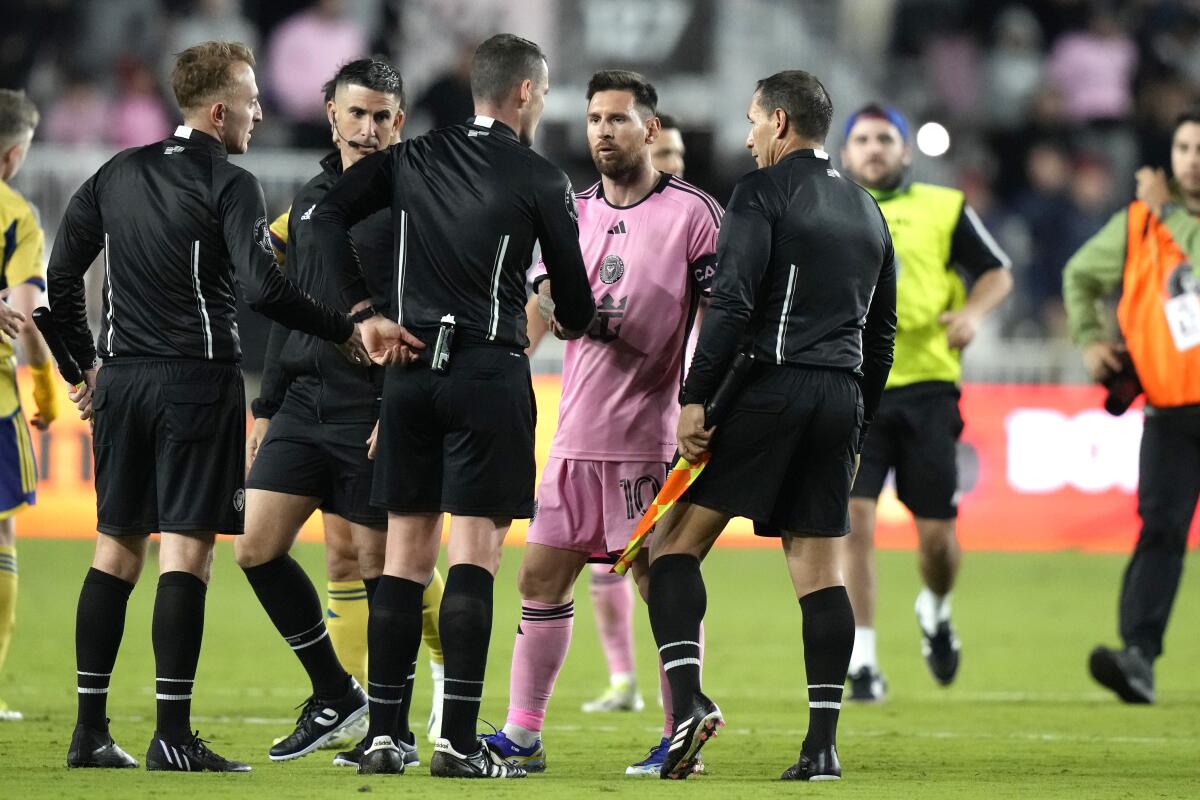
(808, 285)
(468, 202)
(180, 227)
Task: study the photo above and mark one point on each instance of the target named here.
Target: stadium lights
(933, 139)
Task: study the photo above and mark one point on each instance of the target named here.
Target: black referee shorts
(460, 442)
(169, 443)
(915, 432)
(326, 460)
(785, 455)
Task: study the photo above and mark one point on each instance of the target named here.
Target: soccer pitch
(1023, 720)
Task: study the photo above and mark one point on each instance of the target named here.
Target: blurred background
(1039, 111)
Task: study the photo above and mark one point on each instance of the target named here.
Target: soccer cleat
(652, 763)
(1126, 672)
(383, 757)
(823, 765)
(867, 686)
(191, 756)
(94, 748)
(353, 756)
(483, 763)
(531, 759)
(941, 651)
(690, 735)
(347, 737)
(320, 721)
(621, 696)
(8, 714)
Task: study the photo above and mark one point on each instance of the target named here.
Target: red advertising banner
(1042, 468)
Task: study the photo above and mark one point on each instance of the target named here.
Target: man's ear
(330, 107)
(216, 114)
(779, 117)
(653, 129)
(525, 92)
(397, 124)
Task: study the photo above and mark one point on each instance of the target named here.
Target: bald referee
(181, 229)
(807, 286)
(456, 428)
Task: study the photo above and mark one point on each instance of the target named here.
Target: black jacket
(806, 276)
(305, 367)
(180, 228)
(468, 202)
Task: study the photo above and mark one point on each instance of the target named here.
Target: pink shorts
(593, 506)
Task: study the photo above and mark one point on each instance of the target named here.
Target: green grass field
(1023, 720)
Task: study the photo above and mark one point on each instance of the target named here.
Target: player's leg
(678, 601)
(546, 583)
(927, 482)
(18, 489)
(8, 601)
(612, 603)
(1168, 486)
(430, 615)
(814, 565)
(99, 627)
(346, 618)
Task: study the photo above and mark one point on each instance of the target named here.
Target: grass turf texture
(1023, 720)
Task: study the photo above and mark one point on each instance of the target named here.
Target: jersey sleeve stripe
(986, 237)
(714, 208)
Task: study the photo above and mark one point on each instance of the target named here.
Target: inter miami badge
(612, 269)
(262, 235)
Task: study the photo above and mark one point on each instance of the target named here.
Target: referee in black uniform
(468, 202)
(807, 286)
(180, 228)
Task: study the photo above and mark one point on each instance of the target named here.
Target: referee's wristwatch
(363, 314)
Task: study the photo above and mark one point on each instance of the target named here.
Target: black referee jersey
(468, 202)
(806, 276)
(178, 225)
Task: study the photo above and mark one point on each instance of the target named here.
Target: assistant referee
(468, 202)
(180, 228)
(807, 284)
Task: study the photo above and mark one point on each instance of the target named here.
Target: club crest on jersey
(262, 235)
(569, 200)
(612, 269)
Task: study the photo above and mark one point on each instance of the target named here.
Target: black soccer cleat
(821, 765)
(483, 763)
(191, 756)
(353, 757)
(690, 735)
(382, 757)
(96, 749)
(1126, 672)
(942, 652)
(319, 721)
(867, 686)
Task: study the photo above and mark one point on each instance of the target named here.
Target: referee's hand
(693, 436)
(254, 440)
(387, 342)
(81, 395)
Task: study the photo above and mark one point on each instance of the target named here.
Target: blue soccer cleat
(651, 765)
(531, 759)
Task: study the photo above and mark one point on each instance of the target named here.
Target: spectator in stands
(138, 116)
(209, 21)
(1093, 69)
(77, 114)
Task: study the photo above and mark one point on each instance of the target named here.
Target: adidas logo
(308, 214)
(618, 228)
(172, 150)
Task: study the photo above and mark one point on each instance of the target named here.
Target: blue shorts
(18, 473)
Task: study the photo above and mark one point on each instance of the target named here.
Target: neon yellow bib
(922, 218)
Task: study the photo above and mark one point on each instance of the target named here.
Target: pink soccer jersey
(649, 264)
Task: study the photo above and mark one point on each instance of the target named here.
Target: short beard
(620, 168)
(890, 181)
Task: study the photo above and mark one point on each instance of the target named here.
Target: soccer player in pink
(649, 243)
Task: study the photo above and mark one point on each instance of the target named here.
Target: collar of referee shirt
(805, 153)
(199, 138)
(491, 124)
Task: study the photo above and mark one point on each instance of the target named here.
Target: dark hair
(667, 122)
(369, 73)
(500, 63)
(18, 116)
(1188, 115)
(204, 73)
(622, 80)
(802, 97)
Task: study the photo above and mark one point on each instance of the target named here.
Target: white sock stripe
(91, 690)
(837, 686)
(462, 697)
(94, 674)
(824, 704)
(681, 662)
(305, 633)
(448, 679)
(314, 641)
(386, 685)
(384, 701)
(413, 676)
(678, 644)
(161, 696)
(176, 680)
